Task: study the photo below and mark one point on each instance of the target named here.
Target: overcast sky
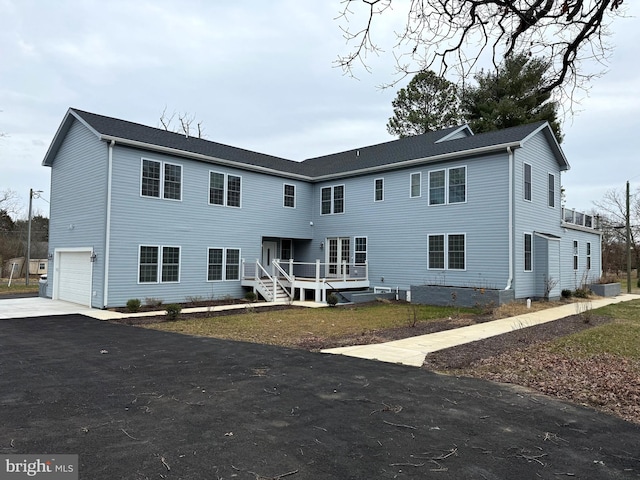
(258, 75)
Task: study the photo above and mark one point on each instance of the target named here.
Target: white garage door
(74, 277)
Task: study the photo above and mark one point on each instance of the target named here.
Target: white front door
(269, 253)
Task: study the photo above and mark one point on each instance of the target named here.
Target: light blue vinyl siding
(78, 201)
(397, 228)
(194, 225)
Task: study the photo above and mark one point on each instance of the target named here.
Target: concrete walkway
(44, 307)
(412, 351)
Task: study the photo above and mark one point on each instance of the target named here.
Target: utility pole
(37, 193)
(628, 225)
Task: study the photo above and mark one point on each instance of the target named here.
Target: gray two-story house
(140, 212)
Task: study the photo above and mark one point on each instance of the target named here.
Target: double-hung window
(289, 194)
(528, 252)
(552, 190)
(436, 252)
(360, 250)
(456, 251)
(457, 185)
(157, 263)
(437, 187)
(379, 190)
(575, 255)
(223, 264)
(161, 180)
(225, 189)
(527, 182)
(446, 252)
(588, 255)
(332, 200)
(448, 186)
(415, 185)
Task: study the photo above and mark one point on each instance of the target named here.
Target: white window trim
(225, 191)
(524, 252)
(446, 186)
(224, 265)
(284, 195)
(554, 190)
(444, 246)
(161, 188)
(575, 260)
(447, 267)
(375, 189)
(366, 251)
(332, 190)
(524, 182)
(159, 267)
(419, 185)
(588, 255)
(447, 252)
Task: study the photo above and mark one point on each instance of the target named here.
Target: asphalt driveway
(143, 404)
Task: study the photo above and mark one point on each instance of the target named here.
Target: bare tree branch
(452, 36)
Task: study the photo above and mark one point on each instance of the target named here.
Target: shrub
(173, 311)
(332, 299)
(581, 293)
(566, 293)
(250, 297)
(133, 305)
(639, 283)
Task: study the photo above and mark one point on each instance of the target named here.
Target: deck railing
(579, 218)
(314, 271)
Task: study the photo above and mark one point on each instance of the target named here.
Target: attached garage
(73, 273)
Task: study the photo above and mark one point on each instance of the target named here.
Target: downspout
(510, 279)
(107, 234)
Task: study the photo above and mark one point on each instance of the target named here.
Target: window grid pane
(436, 188)
(379, 190)
(215, 264)
(436, 251)
(338, 199)
(172, 181)
(456, 252)
(457, 185)
(216, 188)
(527, 181)
(170, 264)
(289, 196)
(150, 178)
(552, 190)
(232, 271)
(415, 185)
(148, 265)
(527, 252)
(360, 250)
(233, 191)
(326, 201)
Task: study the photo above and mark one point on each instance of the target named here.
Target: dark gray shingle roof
(413, 148)
(123, 129)
(384, 155)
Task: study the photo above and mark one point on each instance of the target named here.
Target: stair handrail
(265, 291)
(276, 278)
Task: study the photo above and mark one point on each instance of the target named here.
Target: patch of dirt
(212, 314)
(524, 357)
